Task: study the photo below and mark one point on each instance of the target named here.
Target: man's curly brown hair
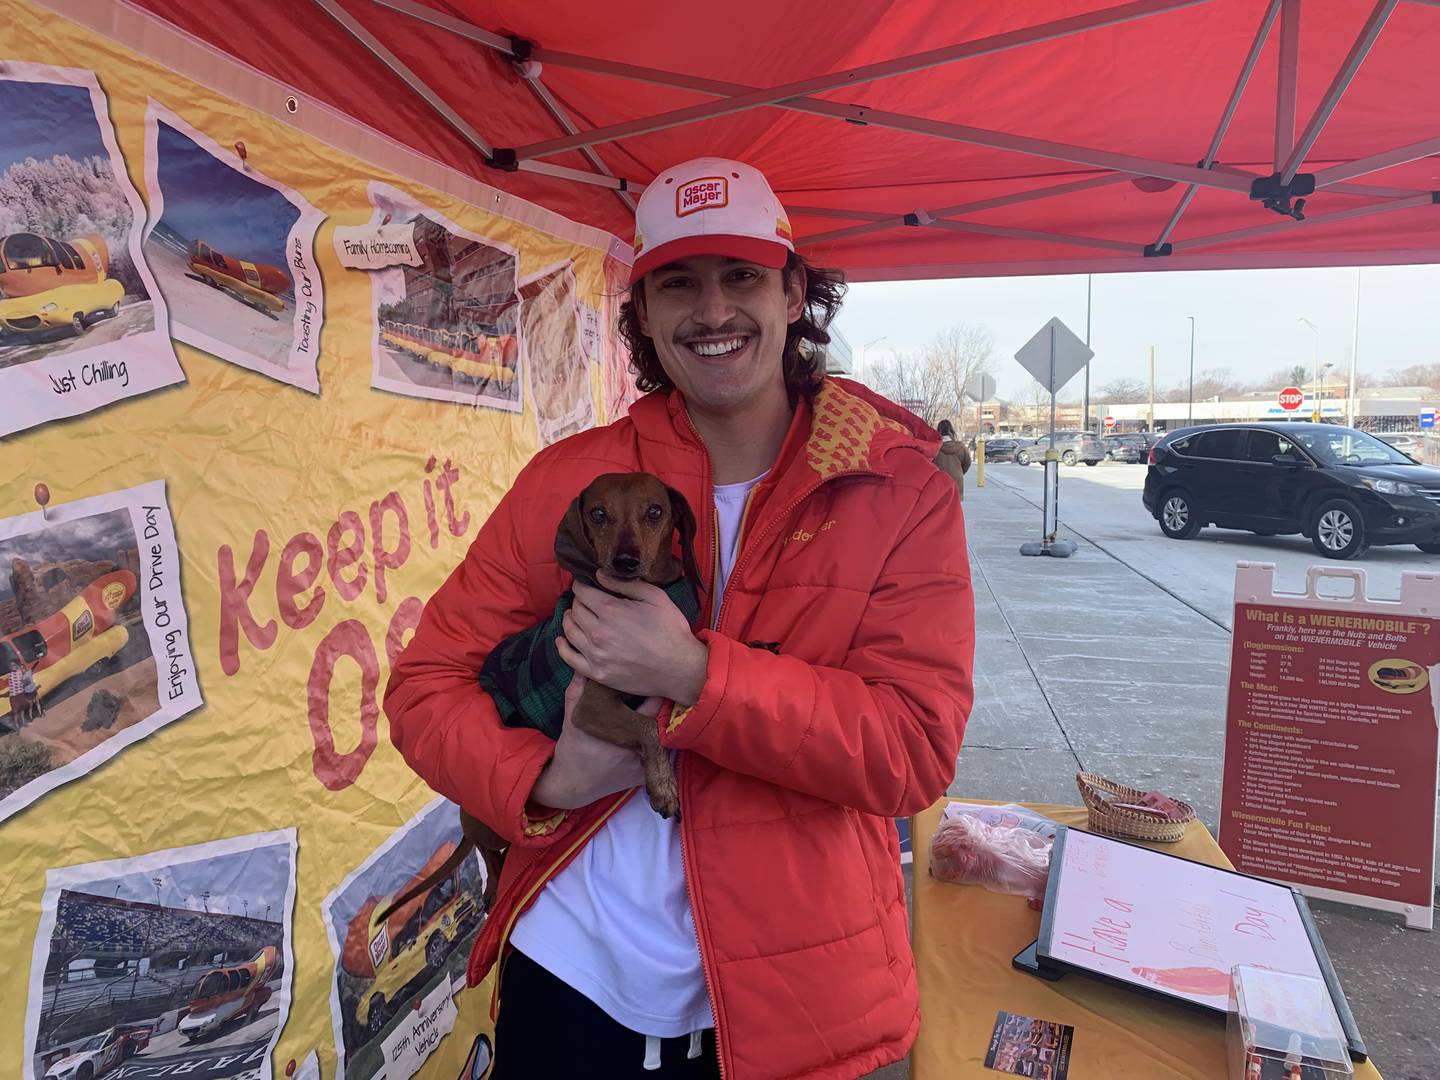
(805, 338)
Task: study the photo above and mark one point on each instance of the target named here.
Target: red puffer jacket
(853, 559)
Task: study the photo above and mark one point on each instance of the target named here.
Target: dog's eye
(655, 513)
(597, 516)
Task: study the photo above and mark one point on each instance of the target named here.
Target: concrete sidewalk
(1086, 664)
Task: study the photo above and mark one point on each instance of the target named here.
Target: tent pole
(1424, 199)
(459, 27)
(1246, 70)
(562, 117)
(1285, 80)
(1330, 178)
(1358, 51)
(1354, 355)
(398, 66)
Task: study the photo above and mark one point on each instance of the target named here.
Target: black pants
(548, 1031)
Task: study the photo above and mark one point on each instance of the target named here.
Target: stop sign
(1109, 421)
(1291, 398)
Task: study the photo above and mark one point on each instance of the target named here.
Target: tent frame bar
(1338, 85)
(854, 114)
(1246, 71)
(1425, 198)
(737, 97)
(1286, 77)
(884, 222)
(424, 90)
(530, 72)
(1033, 234)
(858, 76)
(1331, 178)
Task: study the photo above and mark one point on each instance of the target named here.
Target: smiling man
(823, 692)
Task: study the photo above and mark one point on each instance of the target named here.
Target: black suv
(1003, 448)
(1342, 488)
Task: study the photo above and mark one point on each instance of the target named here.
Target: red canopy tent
(916, 138)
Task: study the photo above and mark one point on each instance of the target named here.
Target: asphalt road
(1117, 661)
(1102, 504)
(236, 1053)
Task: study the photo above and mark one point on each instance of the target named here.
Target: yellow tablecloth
(964, 938)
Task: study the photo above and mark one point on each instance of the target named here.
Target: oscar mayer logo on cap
(782, 229)
(639, 243)
(705, 193)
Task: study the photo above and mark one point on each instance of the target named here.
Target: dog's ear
(684, 519)
(574, 550)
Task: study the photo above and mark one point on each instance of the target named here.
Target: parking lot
(1102, 505)
(1117, 661)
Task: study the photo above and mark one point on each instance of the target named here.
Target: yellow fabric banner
(258, 389)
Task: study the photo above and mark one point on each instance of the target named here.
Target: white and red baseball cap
(710, 206)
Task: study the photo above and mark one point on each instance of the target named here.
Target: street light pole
(863, 349)
(1151, 422)
(1354, 355)
(1086, 424)
(1190, 411)
(1315, 413)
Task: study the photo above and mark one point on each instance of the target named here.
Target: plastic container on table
(1283, 1027)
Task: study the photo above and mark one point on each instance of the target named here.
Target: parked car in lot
(1083, 446)
(1002, 448)
(1412, 446)
(1342, 488)
(1031, 450)
(1130, 447)
(1072, 446)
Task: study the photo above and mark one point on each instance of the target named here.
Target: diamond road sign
(1054, 356)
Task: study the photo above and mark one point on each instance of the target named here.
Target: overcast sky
(1246, 320)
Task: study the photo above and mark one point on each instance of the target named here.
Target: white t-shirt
(616, 923)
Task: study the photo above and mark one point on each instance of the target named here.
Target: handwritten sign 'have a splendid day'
(1168, 925)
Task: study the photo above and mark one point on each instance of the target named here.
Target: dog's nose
(626, 564)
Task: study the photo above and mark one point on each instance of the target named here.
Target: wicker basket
(1107, 818)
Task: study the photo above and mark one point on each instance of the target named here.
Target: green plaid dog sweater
(527, 678)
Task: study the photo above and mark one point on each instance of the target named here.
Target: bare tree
(919, 383)
(1213, 383)
(1414, 375)
(932, 384)
(1123, 391)
(965, 351)
(1037, 405)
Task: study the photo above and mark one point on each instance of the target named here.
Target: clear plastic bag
(1003, 859)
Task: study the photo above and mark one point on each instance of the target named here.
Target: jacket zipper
(534, 890)
(707, 489)
(765, 530)
(745, 550)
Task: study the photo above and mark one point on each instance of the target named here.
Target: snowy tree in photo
(63, 197)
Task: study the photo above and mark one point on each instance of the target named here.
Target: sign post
(1331, 744)
(1052, 357)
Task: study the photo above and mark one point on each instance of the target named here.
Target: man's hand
(584, 768)
(636, 643)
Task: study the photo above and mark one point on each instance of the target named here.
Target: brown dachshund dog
(626, 525)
